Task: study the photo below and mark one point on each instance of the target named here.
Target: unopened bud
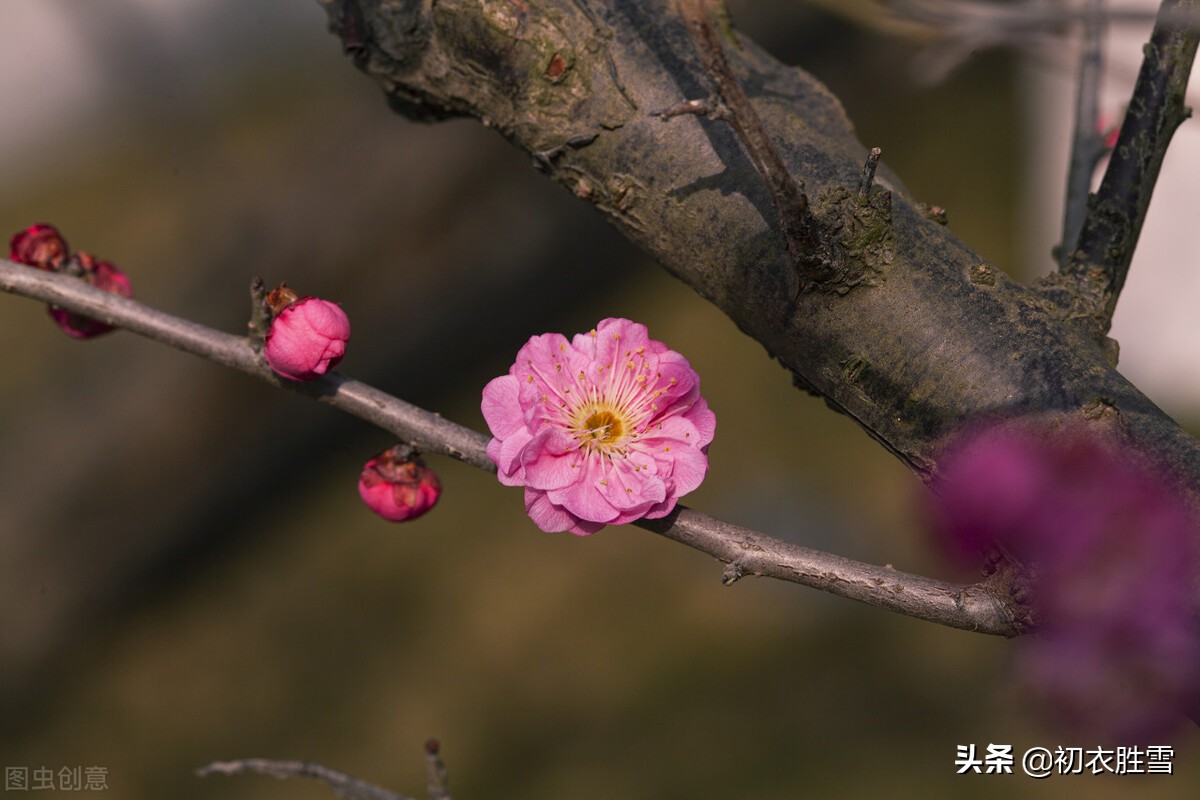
(307, 337)
(40, 246)
(398, 486)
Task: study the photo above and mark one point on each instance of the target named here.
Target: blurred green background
(187, 573)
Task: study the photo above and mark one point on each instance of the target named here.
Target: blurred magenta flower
(101, 274)
(40, 245)
(398, 486)
(307, 336)
(604, 429)
(1109, 549)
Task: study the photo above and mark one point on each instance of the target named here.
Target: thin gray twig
(343, 785)
(984, 607)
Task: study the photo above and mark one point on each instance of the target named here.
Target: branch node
(543, 160)
(935, 213)
(260, 314)
(732, 574)
(711, 107)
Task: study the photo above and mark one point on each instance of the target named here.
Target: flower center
(602, 427)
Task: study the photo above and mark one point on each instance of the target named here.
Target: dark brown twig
(868, 173)
(1117, 211)
(787, 192)
(1087, 144)
(985, 608)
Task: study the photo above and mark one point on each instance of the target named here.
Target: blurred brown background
(187, 573)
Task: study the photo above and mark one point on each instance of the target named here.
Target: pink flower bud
(40, 246)
(398, 486)
(102, 275)
(306, 338)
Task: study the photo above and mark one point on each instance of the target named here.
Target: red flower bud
(40, 246)
(398, 486)
(102, 275)
(307, 338)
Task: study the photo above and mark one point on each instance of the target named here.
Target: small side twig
(868, 173)
(983, 607)
(787, 193)
(342, 785)
(1116, 213)
(711, 108)
(1087, 144)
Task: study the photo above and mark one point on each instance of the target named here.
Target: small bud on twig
(307, 337)
(43, 247)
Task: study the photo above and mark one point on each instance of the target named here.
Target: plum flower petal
(1109, 549)
(605, 428)
(307, 339)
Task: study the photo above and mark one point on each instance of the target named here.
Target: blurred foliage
(190, 576)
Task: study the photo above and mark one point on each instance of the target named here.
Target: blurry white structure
(73, 71)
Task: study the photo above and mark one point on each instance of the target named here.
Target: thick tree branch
(1096, 269)
(916, 336)
(987, 607)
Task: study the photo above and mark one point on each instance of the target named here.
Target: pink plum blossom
(398, 486)
(1109, 549)
(603, 429)
(307, 338)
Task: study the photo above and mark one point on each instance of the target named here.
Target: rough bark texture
(913, 335)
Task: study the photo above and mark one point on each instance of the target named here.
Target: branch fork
(1101, 234)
